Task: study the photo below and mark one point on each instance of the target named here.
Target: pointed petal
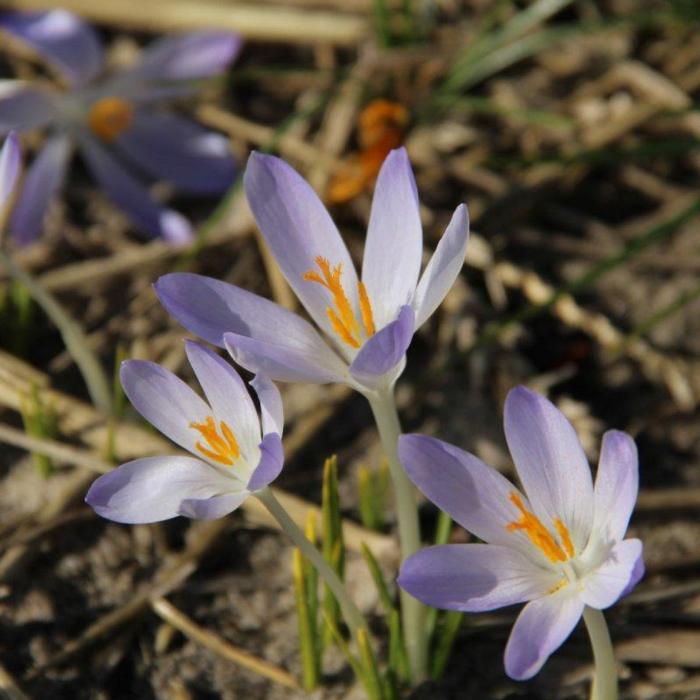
(475, 495)
(297, 228)
(616, 486)
(210, 308)
(473, 577)
(152, 489)
(42, 182)
(213, 507)
(394, 245)
(66, 42)
(550, 461)
(10, 165)
(283, 362)
(189, 56)
(132, 197)
(23, 107)
(167, 147)
(270, 404)
(384, 350)
(444, 266)
(541, 628)
(164, 400)
(227, 395)
(271, 462)
(617, 576)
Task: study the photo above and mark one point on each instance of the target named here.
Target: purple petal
(298, 229)
(23, 107)
(473, 577)
(210, 308)
(444, 266)
(616, 485)
(550, 462)
(475, 495)
(167, 147)
(42, 182)
(227, 395)
(617, 576)
(283, 362)
(164, 400)
(153, 489)
(10, 165)
(62, 39)
(394, 246)
(384, 350)
(211, 508)
(541, 629)
(271, 462)
(131, 196)
(270, 404)
(189, 56)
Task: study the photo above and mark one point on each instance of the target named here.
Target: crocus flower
(368, 322)
(10, 163)
(230, 461)
(115, 120)
(557, 545)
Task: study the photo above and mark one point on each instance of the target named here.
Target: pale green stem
(352, 615)
(413, 613)
(605, 676)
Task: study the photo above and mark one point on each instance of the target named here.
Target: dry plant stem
(412, 611)
(350, 612)
(605, 676)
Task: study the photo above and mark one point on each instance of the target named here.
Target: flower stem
(352, 615)
(605, 678)
(412, 611)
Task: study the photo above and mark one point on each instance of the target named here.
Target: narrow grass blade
(398, 659)
(332, 530)
(307, 641)
(442, 536)
(447, 632)
(378, 579)
(373, 681)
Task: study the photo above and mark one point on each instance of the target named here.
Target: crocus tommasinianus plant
(232, 459)
(369, 321)
(10, 163)
(115, 120)
(557, 545)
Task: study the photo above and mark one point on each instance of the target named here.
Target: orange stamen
(341, 314)
(539, 535)
(109, 117)
(219, 448)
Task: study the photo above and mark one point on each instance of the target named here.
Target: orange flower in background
(380, 128)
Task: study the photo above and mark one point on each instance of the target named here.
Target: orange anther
(109, 117)
(219, 448)
(539, 535)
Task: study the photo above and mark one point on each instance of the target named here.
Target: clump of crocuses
(116, 121)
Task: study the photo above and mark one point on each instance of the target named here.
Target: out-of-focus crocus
(369, 321)
(380, 129)
(558, 546)
(231, 459)
(115, 121)
(10, 164)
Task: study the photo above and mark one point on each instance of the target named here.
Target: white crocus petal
(228, 397)
(271, 409)
(394, 244)
(443, 267)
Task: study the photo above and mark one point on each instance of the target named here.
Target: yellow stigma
(539, 535)
(110, 117)
(341, 314)
(222, 448)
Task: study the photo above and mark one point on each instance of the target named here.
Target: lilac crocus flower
(115, 120)
(557, 545)
(230, 462)
(368, 322)
(10, 164)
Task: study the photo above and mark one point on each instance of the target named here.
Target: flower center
(109, 117)
(557, 551)
(340, 313)
(221, 445)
